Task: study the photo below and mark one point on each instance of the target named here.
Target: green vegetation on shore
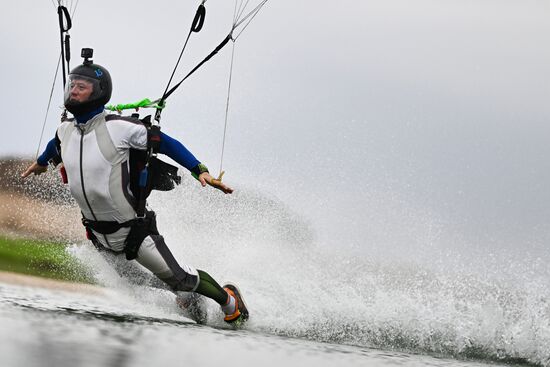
(41, 258)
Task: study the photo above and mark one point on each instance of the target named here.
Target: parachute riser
(153, 132)
(65, 25)
(196, 26)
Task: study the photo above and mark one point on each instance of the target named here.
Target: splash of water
(490, 308)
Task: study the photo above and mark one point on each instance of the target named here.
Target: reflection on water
(54, 328)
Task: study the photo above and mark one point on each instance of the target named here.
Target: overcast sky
(392, 111)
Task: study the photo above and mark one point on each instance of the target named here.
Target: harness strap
(92, 237)
(140, 228)
(107, 227)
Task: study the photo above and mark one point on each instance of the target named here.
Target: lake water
(45, 327)
(315, 298)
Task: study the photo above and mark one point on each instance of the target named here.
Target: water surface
(43, 327)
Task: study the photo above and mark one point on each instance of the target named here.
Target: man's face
(80, 90)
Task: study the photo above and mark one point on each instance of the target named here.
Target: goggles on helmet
(81, 90)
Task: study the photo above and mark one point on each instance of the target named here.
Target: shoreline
(19, 279)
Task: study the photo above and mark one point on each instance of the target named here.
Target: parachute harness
(239, 19)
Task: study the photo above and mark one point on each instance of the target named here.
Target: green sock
(210, 288)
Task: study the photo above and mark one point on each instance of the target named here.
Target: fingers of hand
(28, 171)
(224, 188)
(36, 169)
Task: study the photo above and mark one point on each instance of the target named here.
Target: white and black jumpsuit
(96, 158)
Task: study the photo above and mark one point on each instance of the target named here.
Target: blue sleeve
(49, 153)
(175, 150)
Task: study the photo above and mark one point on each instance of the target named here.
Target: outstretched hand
(34, 168)
(205, 178)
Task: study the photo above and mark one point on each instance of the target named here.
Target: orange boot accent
(234, 316)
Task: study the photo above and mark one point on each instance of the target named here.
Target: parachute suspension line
(222, 44)
(235, 12)
(48, 108)
(238, 19)
(73, 9)
(252, 14)
(240, 11)
(226, 111)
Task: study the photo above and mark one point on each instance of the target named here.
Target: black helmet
(85, 77)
